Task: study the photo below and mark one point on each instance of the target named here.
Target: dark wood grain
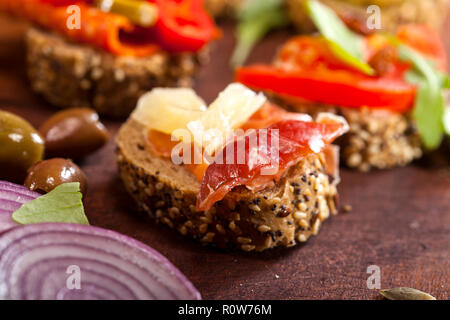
(400, 219)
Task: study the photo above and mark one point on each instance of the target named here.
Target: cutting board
(399, 222)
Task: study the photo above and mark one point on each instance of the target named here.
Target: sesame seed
(244, 240)
(248, 247)
(264, 228)
(174, 211)
(167, 221)
(303, 223)
(208, 237)
(315, 227)
(183, 230)
(220, 229)
(205, 219)
(300, 215)
(301, 237)
(203, 228)
(302, 206)
(254, 207)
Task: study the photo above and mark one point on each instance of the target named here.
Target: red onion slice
(12, 197)
(34, 260)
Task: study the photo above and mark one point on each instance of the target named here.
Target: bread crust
(70, 75)
(283, 215)
(394, 13)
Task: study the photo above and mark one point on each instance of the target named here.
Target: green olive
(21, 147)
(46, 175)
(73, 133)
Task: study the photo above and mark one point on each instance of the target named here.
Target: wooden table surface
(400, 219)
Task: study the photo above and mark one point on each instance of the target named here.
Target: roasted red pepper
(183, 25)
(333, 87)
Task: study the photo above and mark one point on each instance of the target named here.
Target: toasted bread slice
(69, 74)
(283, 215)
(377, 138)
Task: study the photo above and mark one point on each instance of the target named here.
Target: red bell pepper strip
(333, 87)
(296, 140)
(183, 25)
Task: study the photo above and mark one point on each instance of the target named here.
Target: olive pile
(69, 134)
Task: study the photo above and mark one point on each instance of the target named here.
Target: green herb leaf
(447, 121)
(429, 104)
(429, 114)
(256, 19)
(345, 44)
(62, 204)
(446, 84)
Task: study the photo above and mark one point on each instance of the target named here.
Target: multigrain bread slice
(283, 215)
(69, 74)
(393, 12)
(377, 138)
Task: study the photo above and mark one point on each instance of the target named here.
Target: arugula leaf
(62, 204)
(429, 113)
(345, 44)
(446, 84)
(447, 121)
(256, 18)
(429, 104)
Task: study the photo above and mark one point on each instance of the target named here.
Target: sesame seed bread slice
(283, 215)
(69, 74)
(377, 138)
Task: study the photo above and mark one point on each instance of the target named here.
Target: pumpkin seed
(404, 293)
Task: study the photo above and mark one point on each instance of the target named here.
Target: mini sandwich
(388, 87)
(393, 13)
(242, 173)
(106, 54)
